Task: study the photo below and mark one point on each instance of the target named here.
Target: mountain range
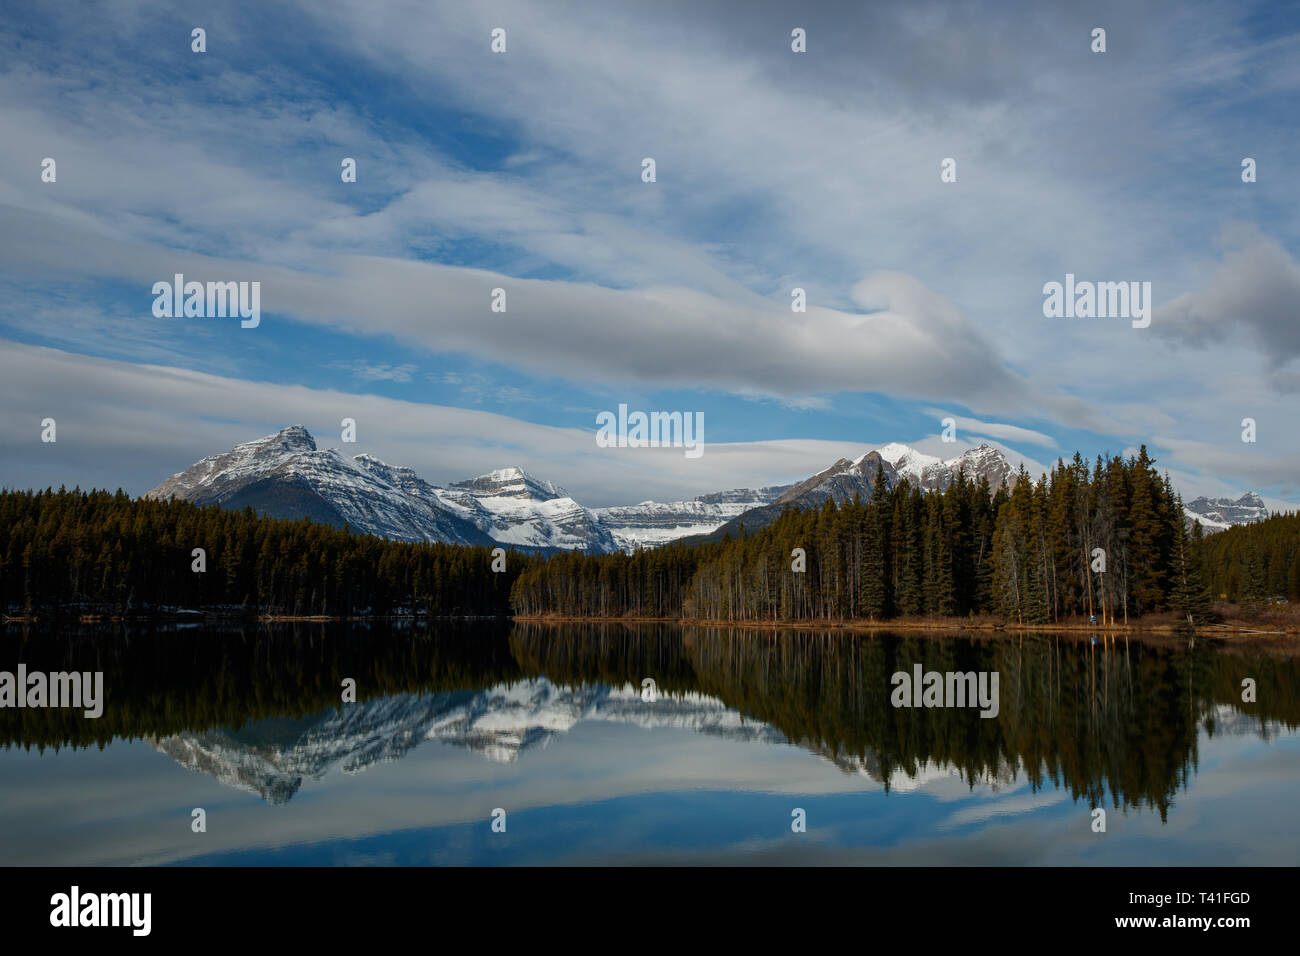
(286, 475)
(273, 758)
(1215, 514)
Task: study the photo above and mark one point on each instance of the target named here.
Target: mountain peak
(511, 482)
(291, 438)
(1215, 514)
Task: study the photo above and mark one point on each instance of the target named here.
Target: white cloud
(996, 429)
(128, 425)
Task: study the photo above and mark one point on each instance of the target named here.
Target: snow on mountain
(1216, 514)
(511, 483)
(936, 474)
(515, 508)
(841, 481)
(896, 461)
(846, 479)
(219, 475)
(652, 523)
(529, 522)
(500, 723)
(910, 463)
(285, 475)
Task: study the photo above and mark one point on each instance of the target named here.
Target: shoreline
(932, 624)
(985, 625)
(214, 618)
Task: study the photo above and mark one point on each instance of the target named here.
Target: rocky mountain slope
(894, 462)
(285, 475)
(500, 723)
(652, 523)
(1215, 514)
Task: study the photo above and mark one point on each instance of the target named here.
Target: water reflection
(1119, 725)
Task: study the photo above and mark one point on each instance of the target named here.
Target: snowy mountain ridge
(286, 475)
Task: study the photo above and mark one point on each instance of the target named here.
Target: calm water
(549, 724)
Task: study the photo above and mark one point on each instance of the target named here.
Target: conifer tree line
(1255, 562)
(1108, 541)
(110, 553)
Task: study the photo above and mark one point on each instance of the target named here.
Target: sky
(774, 170)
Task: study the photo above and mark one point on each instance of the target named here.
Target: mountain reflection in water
(1111, 724)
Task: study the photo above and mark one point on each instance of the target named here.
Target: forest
(100, 552)
(1107, 540)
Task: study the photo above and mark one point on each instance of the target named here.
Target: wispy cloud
(1012, 433)
(775, 170)
(366, 371)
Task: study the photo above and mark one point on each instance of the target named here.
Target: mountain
(511, 483)
(1216, 514)
(936, 474)
(286, 476)
(895, 462)
(502, 724)
(272, 758)
(653, 523)
(841, 481)
(509, 506)
(517, 509)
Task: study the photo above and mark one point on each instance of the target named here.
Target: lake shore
(1273, 629)
(1164, 626)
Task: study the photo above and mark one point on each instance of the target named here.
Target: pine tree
(1189, 599)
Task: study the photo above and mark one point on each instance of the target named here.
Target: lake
(496, 743)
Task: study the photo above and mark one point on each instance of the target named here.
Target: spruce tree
(1189, 599)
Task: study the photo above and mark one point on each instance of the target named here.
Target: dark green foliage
(109, 553)
(1255, 562)
(1030, 555)
(1190, 598)
(1027, 555)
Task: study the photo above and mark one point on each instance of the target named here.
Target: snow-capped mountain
(509, 506)
(841, 481)
(653, 523)
(1216, 514)
(511, 483)
(845, 479)
(286, 476)
(935, 474)
(500, 723)
(895, 462)
(517, 509)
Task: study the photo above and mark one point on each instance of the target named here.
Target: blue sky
(522, 171)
